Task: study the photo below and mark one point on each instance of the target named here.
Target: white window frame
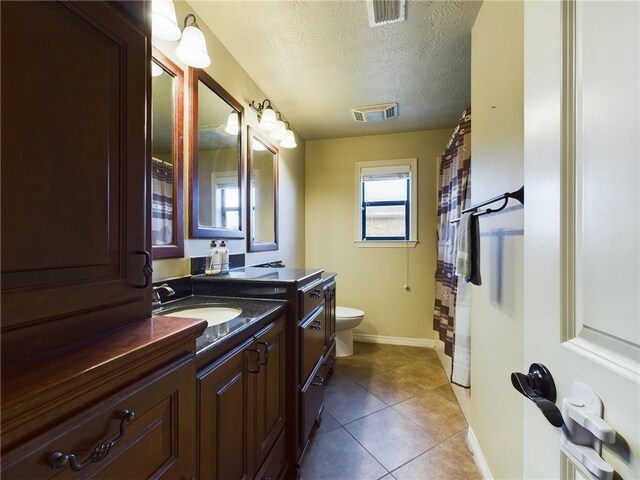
(412, 163)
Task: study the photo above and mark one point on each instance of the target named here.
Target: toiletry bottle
(212, 265)
(224, 257)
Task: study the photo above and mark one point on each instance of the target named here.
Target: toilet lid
(347, 312)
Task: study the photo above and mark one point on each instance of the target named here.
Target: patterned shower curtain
(454, 192)
(161, 202)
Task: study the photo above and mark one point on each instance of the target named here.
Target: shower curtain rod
(518, 195)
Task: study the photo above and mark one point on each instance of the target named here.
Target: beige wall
(225, 70)
(493, 408)
(372, 279)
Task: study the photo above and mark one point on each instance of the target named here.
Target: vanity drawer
(311, 341)
(312, 401)
(155, 439)
(310, 297)
(328, 362)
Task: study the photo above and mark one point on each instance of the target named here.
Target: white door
(582, 316)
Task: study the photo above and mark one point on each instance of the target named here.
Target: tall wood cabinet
(75, 143)
(92, 385)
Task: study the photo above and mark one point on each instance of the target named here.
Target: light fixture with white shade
(270, 120)
(278, 133)
(156, 70)
(163, 20)
(193, 48)
(267, 115)
(289, 140)
(258, 146)
(233, 124)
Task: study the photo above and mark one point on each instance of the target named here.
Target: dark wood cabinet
(71, 400)
(79, 345)
(75, 157)
(155, 437)
(242, 408)
(270, 402)
(310, 348)
(225, 408)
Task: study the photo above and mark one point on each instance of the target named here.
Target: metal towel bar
(518, 195)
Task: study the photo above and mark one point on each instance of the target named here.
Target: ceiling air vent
(383, 12)
(375, 113)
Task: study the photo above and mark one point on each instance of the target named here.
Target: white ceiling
(317, 59)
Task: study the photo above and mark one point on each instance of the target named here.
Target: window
(386, 202)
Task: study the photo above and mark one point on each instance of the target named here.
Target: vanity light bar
(271, 121)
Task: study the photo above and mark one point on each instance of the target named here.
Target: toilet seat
(348, 313)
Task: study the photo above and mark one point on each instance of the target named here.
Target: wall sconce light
(278, 133)
(233, 125)
(289, 140)
(271, 121)
(258, 146)
(163, 20)
(156, 70)
(266, 113)
(193, 48)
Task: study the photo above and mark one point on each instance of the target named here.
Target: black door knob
(539, 387)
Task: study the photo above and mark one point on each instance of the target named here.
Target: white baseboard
(478, 456)
(411, 342)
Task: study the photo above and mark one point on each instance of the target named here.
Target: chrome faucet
(155, 294)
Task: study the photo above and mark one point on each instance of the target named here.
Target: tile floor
(389, 413)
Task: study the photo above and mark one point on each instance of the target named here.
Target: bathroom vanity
(240, 369)
(309, 335)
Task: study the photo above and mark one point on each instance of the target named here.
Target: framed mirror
(216, 153)
(167, 118)
(262, 197)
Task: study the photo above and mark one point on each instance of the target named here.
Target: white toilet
(346, 320)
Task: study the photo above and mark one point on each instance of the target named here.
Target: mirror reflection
(166, 163)
(263, 194)
(216, 165)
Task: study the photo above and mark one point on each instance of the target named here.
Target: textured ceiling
(318, 59)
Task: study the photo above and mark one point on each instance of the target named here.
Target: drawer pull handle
(315, 293)
(61, 460)
(147, 269)
(257, 352)
(265, 354)
(318, 383)
(316, 324)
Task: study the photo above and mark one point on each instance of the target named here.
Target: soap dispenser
(213, 263)
(224, 257)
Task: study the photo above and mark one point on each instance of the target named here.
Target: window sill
(386, 243)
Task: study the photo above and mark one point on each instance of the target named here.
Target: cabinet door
(225, 415)
(74, 127)
(270, 393)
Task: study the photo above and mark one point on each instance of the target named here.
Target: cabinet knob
(316, 325)
(315, 293)
(319, 382)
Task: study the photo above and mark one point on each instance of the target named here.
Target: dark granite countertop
(262, 274)
(253, 310)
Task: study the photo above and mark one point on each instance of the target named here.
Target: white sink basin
(213, 315)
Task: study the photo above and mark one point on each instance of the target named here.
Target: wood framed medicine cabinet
(167, 217)
(262, 193)
(216, 151)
